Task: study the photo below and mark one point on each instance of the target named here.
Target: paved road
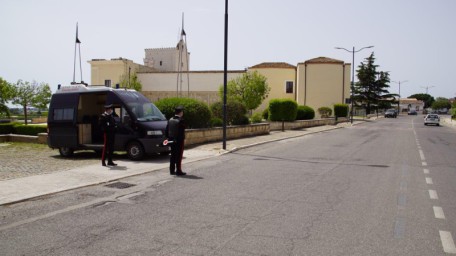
(381, 188)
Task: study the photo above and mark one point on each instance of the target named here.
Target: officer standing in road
(175, 132)
(108, 126)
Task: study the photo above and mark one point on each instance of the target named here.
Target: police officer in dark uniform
(175, 132)
(108, 126)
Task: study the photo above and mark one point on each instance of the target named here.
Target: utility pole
(427, 88)
(399, 100)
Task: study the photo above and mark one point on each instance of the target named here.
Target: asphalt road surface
(380, 188)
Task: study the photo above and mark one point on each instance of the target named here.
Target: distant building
(406, 104)
(110, 72)
(319, 82)
(168, 59)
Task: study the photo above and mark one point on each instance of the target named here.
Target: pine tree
(371, 90)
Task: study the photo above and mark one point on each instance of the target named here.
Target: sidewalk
(21, 189)
(447, 121)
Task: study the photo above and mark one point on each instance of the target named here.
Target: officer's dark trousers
(108, 147)
(177, 150)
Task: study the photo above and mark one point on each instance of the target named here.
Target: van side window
(61, 114)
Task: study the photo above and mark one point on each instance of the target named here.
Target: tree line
(23, 93)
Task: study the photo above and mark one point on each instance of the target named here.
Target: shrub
(235, 112)
(325, 112)
(305, 113)
(341, 110)
(216, 122)
(243, 120)
(196, 113)
(266, 114)
(257, 118)
(29, 129)
(283, 110)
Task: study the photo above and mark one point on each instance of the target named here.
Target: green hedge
(7, 128)
(235, 112)
(283, 110)
(29, 129)
(341, 110)
(16, 128)
(196, 113)
(305, 113)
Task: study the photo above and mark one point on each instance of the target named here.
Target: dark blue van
(73, 124)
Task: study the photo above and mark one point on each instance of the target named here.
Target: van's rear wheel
(66, 152)
(135, 151)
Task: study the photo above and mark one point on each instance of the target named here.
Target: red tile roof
(274, 65)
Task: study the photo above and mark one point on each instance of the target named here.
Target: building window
(108, 83)
(289, 86)
(161, 63)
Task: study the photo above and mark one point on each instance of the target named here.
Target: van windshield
(146, 111)
(141, 107)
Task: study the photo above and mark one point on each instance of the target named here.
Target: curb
(158, 168)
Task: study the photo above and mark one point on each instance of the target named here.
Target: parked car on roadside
(391, 113)
(412, 112)
(432, 119)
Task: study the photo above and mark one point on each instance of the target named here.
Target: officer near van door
(175, 132)
(108, 126)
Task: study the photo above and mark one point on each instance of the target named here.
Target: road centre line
(422, 155)
(433, 194)
(429, 181)
(426, 171)
(447, 242)
(438, 212)
(424, 163)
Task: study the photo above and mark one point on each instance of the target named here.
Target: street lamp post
(399, 101)
(353, 75)
(225, 75)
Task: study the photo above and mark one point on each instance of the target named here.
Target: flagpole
(74, 59)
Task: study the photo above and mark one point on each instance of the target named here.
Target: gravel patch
(26, 159)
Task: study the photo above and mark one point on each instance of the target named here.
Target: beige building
(323, 82)
(201, 85)
(110, 72)
(319, 82)
(281, 78)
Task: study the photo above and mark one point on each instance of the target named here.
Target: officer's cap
(179, 109)
(108, 106)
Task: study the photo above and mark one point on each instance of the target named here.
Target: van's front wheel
(66, 152)
(135, 151)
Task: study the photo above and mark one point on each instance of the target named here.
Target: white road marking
(424, 163)
(447, 242)
(438, 212)
(422, 155)
(426, 171)
(429, 181)
(433, 194)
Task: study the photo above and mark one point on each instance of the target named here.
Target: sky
(414, 40)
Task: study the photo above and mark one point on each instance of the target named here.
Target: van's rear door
(63, 131)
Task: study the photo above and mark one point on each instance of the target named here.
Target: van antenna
(76, 46)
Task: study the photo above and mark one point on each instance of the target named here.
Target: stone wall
(200, 136)
(299, 124)
(41, 138)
